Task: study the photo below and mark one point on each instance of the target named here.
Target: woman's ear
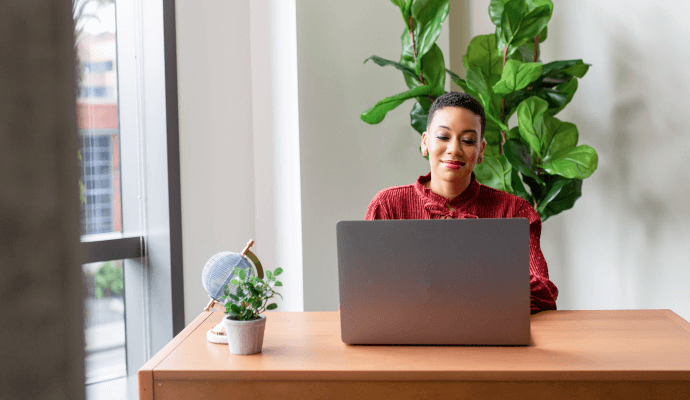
(481, 152)
(425, 148)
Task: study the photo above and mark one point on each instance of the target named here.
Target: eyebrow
(465, 131)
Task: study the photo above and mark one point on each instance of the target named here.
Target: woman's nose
(454, 147)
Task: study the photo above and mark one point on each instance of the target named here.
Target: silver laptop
(434, 282)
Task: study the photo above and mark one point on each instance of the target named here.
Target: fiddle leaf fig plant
(252, 295)
(539, 159)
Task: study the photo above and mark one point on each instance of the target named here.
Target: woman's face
(454, 144)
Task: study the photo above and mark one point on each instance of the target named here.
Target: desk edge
(145, 373)
(677, 319)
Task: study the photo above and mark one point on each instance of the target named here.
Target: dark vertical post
(42, 349)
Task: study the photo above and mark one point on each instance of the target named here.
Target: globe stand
(217, 333)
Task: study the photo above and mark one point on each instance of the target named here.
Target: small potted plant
(243, 321)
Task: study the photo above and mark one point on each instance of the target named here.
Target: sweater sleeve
(543, 292)
(377, 208)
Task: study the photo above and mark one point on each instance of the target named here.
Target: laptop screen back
(436, 282)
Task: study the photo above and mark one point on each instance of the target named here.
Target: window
(127, 121)
(97, 67)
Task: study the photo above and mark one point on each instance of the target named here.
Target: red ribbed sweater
(477, 201)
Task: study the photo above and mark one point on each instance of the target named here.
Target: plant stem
(410, 31)
(536, 58)
(503, 108)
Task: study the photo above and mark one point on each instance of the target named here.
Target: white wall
(344, 161)
(625, 243)
(216, 157)
(239, 139)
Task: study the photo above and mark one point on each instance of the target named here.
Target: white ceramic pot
(245, 337)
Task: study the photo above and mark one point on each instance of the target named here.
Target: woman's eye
(469, 141)
(442, 137)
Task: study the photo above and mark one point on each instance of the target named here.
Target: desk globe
(218, 272)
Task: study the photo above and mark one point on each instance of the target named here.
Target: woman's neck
(446, 189)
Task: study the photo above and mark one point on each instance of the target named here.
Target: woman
(454, 142)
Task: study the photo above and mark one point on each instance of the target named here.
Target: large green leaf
(399, 3)
(418, 118)
(429, 17)
(463, 85)
(403, 68)
(492, 132)
(492, 135)
(531, 121)
(495, 172)
(560, 96)
(377, 113)
(564, 70)
(477, 82)
(516, 76)
(482, 54)
(522, 20)
(560, 136)
(407, 59)
(564, 199)
(432, 64)
(579, 162)
(496, 10)
(434, 68)
(554, 184)
(518, 186)
(518, 153)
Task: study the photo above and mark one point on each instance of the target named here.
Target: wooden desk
(630, 354)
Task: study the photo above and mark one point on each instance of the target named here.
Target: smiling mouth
(453, 164)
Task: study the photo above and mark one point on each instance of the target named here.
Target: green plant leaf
(579, 162)
(561, 96)
(429, 16)
(463, 85)
(235, 309)
(519, 155)
(554, 184)
(522, 20)
(272, 306)
(560, 136)
(399, 3)
(279, 283)
(239, 292)
(277, 271)
(492, 133)
(235, 282)
(232, 297)
(482, 54)
(400, 67)
(418, 118)
(242, 275)
(496, 10)
(494, 172)
(434, 68)
(531, 122)
(377, 113)
(564, 199)
(516, 76)
(518, 186)
(564, 70)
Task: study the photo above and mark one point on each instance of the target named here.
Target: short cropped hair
(457, 99)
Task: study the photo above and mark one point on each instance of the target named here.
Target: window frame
(151, 237)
